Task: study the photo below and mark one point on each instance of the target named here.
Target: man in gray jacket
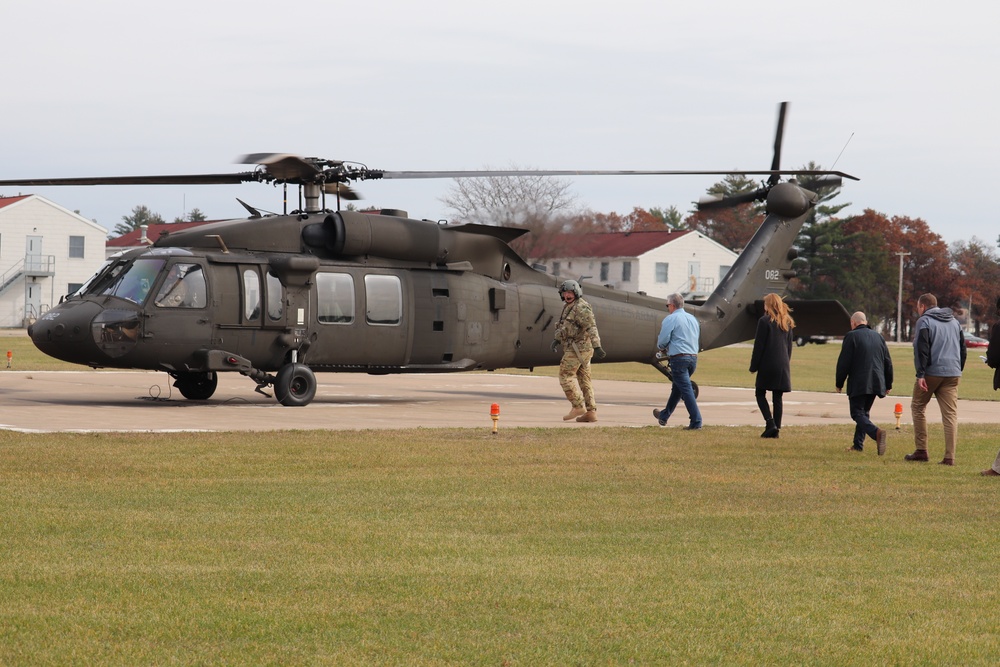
(866, 366)
(938, 357)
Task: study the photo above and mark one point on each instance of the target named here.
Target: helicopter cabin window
(335, 296)
(184, 287)
(133, 281)
(384, 297)
(275, 298)
(251, 295)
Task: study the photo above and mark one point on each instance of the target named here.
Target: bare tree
(510, 200)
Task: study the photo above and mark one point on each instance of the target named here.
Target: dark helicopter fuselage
(362, 292)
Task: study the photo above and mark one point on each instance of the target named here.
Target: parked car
(819, 340)
(974, 341)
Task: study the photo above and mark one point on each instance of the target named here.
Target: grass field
(429, 547)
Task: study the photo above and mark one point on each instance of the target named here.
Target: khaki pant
(945, 390)
(574, 378)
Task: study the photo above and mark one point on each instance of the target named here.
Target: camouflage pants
(574, 378)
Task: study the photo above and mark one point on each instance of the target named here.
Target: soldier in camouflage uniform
(577, 333)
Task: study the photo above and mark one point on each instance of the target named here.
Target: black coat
(772, 356)
(864, 363)
(993, 354)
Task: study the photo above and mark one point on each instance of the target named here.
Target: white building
(46, 252)
(658, 263)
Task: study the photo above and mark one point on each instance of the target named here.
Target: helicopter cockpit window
(335, 296)
(135, 281)
(384, 297)
(275, 298)
(184, 287)
(92, 281)
(251, 295)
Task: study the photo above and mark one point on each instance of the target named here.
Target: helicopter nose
(65, 332)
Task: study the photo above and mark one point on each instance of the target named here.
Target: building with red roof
(146, 235)
(658, 263)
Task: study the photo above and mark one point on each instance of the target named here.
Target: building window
(555, 268)
(662, 272)
(723, 272)
(76, 246)
(626, 272)
(605, 268)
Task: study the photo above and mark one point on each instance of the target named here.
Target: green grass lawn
(428, 547)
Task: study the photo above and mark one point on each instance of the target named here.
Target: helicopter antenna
(254, 213)
(842, 151)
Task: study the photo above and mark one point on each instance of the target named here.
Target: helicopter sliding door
(362, 320)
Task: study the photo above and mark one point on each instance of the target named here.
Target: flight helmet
(571, 286)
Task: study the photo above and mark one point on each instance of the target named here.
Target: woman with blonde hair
(771, 360)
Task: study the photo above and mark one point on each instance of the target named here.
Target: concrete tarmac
(94, 401)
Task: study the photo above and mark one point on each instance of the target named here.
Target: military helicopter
(278, 298)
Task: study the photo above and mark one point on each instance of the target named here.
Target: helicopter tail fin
(730, 313)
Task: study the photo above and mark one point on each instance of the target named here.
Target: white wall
(677, 254)
(690, 247)
(37, 216)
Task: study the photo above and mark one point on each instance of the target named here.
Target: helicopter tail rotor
(760, 194)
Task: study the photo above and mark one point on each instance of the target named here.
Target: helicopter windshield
(129, 281)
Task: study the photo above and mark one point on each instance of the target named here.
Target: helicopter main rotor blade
(577, 172)
(178, 179)
(342, 191)
(284, 166)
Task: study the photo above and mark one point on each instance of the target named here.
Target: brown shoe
(918, 455)
(990, 472)
(591, 416)
(880, 435)
(574, 413)
(947, 462)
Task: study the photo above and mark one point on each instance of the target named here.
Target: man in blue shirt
(679, 341)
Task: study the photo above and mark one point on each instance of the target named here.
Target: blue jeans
(681, 369)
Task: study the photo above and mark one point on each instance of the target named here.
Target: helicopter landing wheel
(694, 388)
(196, 386)
(295, 385)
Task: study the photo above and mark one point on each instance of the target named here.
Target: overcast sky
(114, 88)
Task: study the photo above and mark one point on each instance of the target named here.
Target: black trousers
(765, 409)
(861, 407)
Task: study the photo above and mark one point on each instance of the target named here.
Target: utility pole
(899, 299)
